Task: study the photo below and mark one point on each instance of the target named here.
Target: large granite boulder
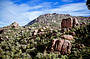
(75, 22)
(61, 46)
(66, 48)
(69, 23)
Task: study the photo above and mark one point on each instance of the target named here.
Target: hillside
(42, 39)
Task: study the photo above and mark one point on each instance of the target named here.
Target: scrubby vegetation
(22, 44)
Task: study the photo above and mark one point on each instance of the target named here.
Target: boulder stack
(61, 46)
(69, 23)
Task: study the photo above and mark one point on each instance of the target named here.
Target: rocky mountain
(54, 20)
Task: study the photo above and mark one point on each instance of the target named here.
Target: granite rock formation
(69, 23)
(62, 46)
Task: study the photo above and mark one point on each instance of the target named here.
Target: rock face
(69, 23)
(75, 22)
(66, 47)
(62, 46)
(68, 37)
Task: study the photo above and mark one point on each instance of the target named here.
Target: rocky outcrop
(69, 23)
(75, 22)
(14, 25)
(61, 46)
(68, 37)
(66, 48)
(40, 31)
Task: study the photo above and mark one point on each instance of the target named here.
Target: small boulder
(15, 25)
(35, 32)
(68, 37)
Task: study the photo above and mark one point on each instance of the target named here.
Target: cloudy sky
(23, 11)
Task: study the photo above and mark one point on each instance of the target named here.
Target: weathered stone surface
(75, 22)
(62, 46)
(69, 23)
(66, 47)
(68, 37)
(58, 45)
(53, 44)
